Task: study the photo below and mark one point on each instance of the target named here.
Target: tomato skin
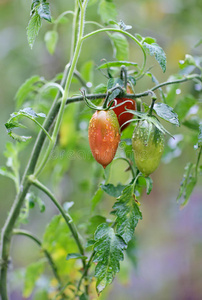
(104, 136)
(130, 104)
(148, 146)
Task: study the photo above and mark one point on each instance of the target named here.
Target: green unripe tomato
(148, 146)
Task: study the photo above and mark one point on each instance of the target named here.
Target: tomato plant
(85, 245)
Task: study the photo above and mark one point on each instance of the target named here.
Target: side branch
(46, 253)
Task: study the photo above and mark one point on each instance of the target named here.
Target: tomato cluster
(104, 136)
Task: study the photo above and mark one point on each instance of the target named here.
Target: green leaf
(192, 123)
(33, 272)
(13, 122)
(107, 11)
(101, 88)
(188, 61)
(114, 191)
(51, 38)
(117, 64)
(183, 106)
(113, 82)
(75, 256)
(127, 214)
(33, 28)
(58, 241)
(4, 172)
(94, 222)
(166, 112)
(44, 11)
(200, 135)
(157, 51)
(24, 90)
(19, 138)
(187, 185)
(121, 48)
(108, 252)
(96, 198)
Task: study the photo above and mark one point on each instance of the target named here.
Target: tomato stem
(46, 253)
(65, 215)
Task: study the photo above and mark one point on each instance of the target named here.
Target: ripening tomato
(130, 104)
(104, 136)
(148, 145)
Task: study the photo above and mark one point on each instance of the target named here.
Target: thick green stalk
(6, 233)
(66, 89)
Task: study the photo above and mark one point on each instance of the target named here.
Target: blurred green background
(169, 240)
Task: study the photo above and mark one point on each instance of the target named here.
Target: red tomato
(104, 136)
(130, 104)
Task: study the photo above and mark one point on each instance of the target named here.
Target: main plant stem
(25, 183)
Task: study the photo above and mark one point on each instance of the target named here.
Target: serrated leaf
(200, 135)
(166, 112)
(25, 89)
(127, 214)
(75, 256)
(33, 272)
(107, 11)
(117, 64)
(33, 28)
(51, 38)
(157, 51)
(121, 48)
(43, 10)
(108, 252)
(13, 122)
(187, 185)
(114, 191)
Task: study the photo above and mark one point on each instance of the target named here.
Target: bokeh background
(169, 240)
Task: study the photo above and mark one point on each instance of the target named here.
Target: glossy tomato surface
(130, 104)
(148, 146)
(104, 136)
